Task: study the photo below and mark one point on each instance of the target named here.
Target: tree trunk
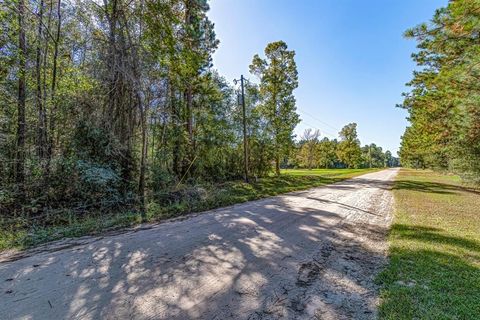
(119, 117)
(175, 121)
(41, 126)
(20, 152)
(188, 94)
(51, 145)
(189, 128)
(45, 139)
(143, 118)
(189, 99)
(277, 165)
(143, 159)
(112, 61)
(276, 129)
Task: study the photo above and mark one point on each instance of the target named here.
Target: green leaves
(278, 79)
(348, 150)
(443, 102)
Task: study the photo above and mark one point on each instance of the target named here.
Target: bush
(99, 185)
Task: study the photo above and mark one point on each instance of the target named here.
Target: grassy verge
(329, 173)
(207, 196)
(434, 270)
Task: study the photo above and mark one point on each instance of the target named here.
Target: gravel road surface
(305, 255)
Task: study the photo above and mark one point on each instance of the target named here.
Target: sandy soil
(305, 255)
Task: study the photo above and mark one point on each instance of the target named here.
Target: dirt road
(305, 255)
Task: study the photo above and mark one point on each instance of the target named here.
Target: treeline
(313, 152)
(115, 104)
(444, 102)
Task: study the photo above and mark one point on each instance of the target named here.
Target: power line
(321, 130)
(315, 118)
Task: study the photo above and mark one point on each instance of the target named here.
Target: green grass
(326, 172)
(212, 196)
(434, 269)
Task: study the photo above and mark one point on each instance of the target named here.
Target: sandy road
(305, 255)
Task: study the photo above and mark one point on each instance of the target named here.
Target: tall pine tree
(278, 78)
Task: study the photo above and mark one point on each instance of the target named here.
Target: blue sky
(352, 59)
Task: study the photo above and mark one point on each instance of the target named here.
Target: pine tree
(278, 79)
(443, 102)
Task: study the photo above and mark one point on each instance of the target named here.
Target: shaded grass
(213, 196)
(434, 270)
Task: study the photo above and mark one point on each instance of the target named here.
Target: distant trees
(327, 153)
(348, 150)
(373, 156)
(307, 155)
(443, 102)
(391, 161)
(278, 78)
(311, 152)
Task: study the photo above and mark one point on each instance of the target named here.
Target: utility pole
(245, 142)
(370, 155)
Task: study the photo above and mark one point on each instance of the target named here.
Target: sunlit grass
(434, 270)
(326, 172)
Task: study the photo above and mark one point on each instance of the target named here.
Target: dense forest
(115, 105)
(444, 101)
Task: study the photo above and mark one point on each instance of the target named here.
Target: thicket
(115, 106)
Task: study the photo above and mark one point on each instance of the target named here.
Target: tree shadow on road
(262, 260)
